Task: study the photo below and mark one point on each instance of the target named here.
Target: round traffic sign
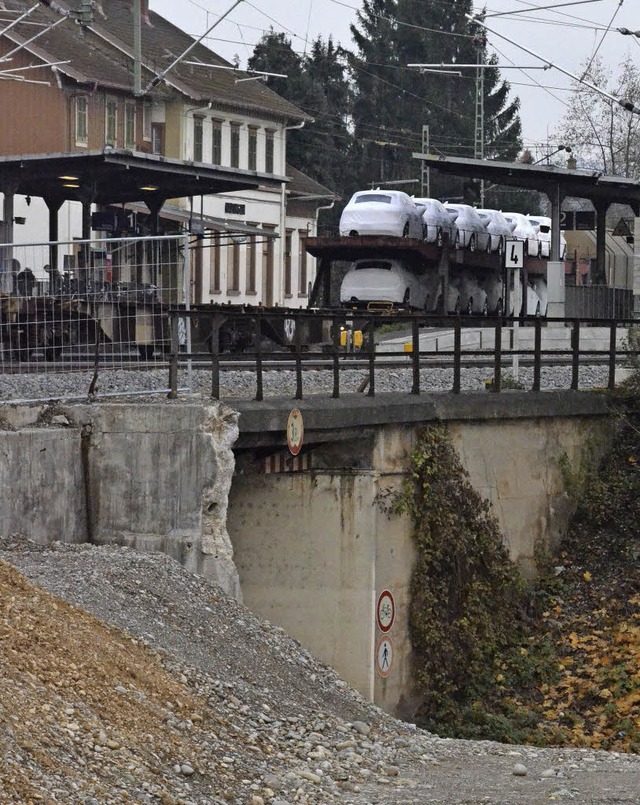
(295, 432)
(384, 656)
(385, 611)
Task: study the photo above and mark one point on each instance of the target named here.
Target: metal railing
(336, 340)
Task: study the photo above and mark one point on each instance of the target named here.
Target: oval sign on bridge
(295, 432)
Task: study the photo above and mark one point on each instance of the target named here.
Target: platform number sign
(514, 254)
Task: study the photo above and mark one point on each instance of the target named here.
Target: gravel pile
(154, 687)
(281, 383)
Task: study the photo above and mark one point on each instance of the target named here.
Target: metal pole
(415, 356)
(425, 172)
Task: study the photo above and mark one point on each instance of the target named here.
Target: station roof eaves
(102, 54)
(115, 176)
(591, 184)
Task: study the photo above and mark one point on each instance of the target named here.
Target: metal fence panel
(598, 302)
(97, 310)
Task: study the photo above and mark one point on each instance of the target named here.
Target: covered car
(381, 212)
(471, 232)
(383, 281)
(437, 226)
(524, 230)
(436, 301)
(540, 287)
(542, 225)
(473, 297)
(498, 227)
(492, 285)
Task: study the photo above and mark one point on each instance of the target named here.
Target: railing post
(173, 362)
(537, 354)
(415, 355)
(335, 349)
(298, 359)
(497, 360)
(372, 358)
(575, 356)
(612, 356)
(457, 356)
(215, 360)
(258, 344)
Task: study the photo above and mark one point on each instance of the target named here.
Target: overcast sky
(567, 37)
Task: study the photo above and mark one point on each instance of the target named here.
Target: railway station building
(76, 82)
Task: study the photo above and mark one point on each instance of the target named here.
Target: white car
(381, 212)
(542, 225)
(471, 232)
(498, 227)
(382, 281)
(437, 224)
(524, 230)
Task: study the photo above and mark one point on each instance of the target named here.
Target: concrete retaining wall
(151, 476)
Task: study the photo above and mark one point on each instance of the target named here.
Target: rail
(343, 339)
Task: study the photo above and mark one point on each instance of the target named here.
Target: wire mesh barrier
(297, 352)
(89, 318)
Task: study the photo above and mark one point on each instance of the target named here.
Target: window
(252, 254)
(302, 254)
(214, 269)
(235, 145)
(130, 125)
(146, 120)
(253, 148)
(287, 263)
(197, 139)
(233, 270)
(82, 120)
(157, 138)
(216, 142)
(111, 122)
(269, 151)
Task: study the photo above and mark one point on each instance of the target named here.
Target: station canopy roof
(590, 184)
(115, 176)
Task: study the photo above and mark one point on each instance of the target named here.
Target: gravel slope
(150, 685)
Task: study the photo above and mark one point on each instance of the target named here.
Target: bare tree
(603, 135)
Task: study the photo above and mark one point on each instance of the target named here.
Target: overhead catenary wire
(629, 106)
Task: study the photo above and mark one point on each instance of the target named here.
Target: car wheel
(540, 251)
(472, 243)
(537, 313)
(499, 308)
(425, 232)
(353, 233)
(489, 249)
(405, 231)
(485, 309)
(469, 309)
(439, 237)
(456, 307)
(406, 299)
(501, 245)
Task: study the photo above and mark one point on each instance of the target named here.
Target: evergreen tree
(393, 102)
(317, 84)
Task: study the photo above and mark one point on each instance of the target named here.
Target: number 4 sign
(514, 254)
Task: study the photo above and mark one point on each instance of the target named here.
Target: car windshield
(483, 215)
(378, 197)
(373, 264)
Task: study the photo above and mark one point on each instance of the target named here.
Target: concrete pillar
(555, 266)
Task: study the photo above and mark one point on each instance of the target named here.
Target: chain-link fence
(96, 310)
